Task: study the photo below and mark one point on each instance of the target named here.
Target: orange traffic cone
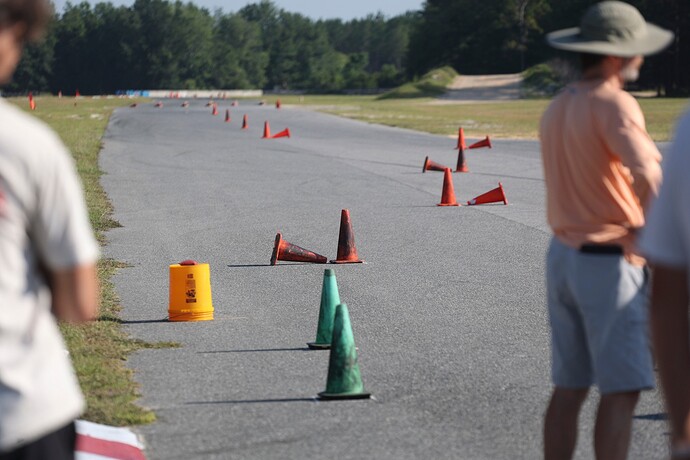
(227, 115)
(479, 144)
(32, 104)
(215, 109)
(277, 103)
(185, 104)
(158, 105)
(492, 196)
(245, 123)
(448, 193)
(461, 166)
(133, 105)
(347, 251)
(461, 140)
(283, 133)
(234, 103)
(267, 131)
(432, 166)
(282, 250)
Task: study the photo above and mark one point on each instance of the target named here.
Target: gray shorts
(599, 328)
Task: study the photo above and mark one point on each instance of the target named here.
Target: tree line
(156, 44)
(505, 36)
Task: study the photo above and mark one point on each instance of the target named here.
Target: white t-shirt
(666, 238)
(42, 217)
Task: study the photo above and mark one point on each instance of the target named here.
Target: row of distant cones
(347, 250)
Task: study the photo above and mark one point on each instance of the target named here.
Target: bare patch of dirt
(482, 88)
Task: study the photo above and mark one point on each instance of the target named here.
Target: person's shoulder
(26, 135)
(614, 97)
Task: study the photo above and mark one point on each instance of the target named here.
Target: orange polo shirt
(600, 166)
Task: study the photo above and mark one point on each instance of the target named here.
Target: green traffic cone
(344, 381)
(329, 299)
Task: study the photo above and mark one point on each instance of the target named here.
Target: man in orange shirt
(601, 168)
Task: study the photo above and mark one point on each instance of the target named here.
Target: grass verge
(517, 119)
(98, 349)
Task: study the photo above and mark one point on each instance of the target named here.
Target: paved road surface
(448, 312)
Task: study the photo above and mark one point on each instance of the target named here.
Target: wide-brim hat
(612, 28)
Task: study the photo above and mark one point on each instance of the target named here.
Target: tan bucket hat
(612, 28)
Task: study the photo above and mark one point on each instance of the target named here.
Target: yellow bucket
(190, 292)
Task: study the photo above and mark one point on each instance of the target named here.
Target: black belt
(612, 249)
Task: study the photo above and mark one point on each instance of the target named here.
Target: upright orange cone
(283, 133)
(479, 144)
(245, 123)
(448, 193)
(215, 109)
(432, 166)
(267, 131)
(347, 251)
(282, 250)
(492, 196)
(461, 166)
(277, 103)
(461, 140)
(227, 115)
(32, 104)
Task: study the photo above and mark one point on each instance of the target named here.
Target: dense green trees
(497, 36)
(171, 44)
(163, 44)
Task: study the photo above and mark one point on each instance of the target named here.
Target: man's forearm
(75, 293)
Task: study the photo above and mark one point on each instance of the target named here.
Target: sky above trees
(314, 9)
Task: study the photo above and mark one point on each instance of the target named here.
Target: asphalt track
(448, 311)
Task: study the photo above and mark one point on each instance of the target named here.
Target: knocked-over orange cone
(448, 193)
(283, 133)
(267, 131)
(245, 123)
(493, 196)
(227, 115)
(347, 251)
(282, 250)
(432, 166)
(486, 142)
(234, 103)
(461, 140)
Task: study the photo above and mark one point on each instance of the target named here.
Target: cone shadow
(282, 264)
(258, 350)
(144, 321)
(252, 401)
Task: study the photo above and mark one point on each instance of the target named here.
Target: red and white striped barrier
(102, 442)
